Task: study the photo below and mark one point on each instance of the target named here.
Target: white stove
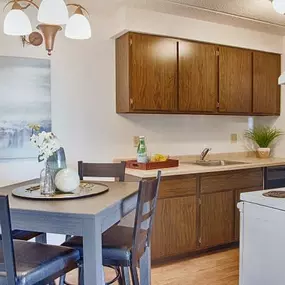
(262, 239)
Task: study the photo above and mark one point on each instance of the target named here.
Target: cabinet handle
(131, 102)
(200, 241)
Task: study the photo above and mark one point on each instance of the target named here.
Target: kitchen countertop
(185, 168)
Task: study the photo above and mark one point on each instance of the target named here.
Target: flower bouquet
(50, 152)
(47, 143)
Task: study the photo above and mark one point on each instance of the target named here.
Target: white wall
(170, 25)
(83, 94)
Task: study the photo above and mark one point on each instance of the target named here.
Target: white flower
(47, 143)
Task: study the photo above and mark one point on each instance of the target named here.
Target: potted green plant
(263, 137)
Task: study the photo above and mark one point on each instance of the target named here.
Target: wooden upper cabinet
(198, 77)
(266, 91)
(235, 80)
(153, 73)
(156, 74)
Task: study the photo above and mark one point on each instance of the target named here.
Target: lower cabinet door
(217, 219)
(174, 232)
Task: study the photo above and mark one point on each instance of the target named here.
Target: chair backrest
(145, 211)
(108, 170)
(7, 242)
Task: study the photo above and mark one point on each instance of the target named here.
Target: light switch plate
(234, 138)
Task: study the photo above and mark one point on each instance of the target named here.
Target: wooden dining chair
(104, 170)
(28, 235)
(99, 170)
(123, 247)
(29, 263)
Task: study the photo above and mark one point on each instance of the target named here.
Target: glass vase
(57, 161)
(47, 185)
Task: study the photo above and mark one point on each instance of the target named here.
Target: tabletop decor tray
(86, 189)
(133, 164)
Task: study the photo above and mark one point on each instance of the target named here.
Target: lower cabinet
(217, 219)
(174, 230)
(200, 212)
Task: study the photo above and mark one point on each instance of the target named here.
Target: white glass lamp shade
(78, 28)
(279, 6)
(53, 12)
(17, 23)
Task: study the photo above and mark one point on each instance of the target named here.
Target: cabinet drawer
(231, 180)
(177, 186)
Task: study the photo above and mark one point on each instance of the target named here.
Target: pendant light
(279, 6)
(16, 22)
(52, 15)
(78, 26)
(53, 12)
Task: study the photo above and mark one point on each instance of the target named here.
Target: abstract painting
(25, 99)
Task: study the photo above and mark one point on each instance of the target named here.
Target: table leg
(92, 246)
(145, 268)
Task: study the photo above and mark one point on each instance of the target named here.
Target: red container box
(133, 164)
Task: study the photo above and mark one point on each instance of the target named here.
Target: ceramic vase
(263, 152)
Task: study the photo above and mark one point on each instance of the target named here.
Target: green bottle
(142, 151)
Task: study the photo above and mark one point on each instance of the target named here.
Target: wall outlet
(234, 138)
(136, 141)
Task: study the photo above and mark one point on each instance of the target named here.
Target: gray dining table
(86, 217)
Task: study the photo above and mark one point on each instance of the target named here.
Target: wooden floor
(212, 269)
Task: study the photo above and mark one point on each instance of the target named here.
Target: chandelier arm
(78, 6)
(27, 6)
(10, 2)
(30, 2)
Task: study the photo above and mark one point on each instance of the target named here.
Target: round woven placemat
(275, 194)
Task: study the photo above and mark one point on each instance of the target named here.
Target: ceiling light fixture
(279, 6)
(52, 15)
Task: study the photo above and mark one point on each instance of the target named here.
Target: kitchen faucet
(204, 153)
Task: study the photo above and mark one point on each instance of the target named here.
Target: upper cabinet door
(235, 80)
(198, 77)
(153, 73)
(266, 91)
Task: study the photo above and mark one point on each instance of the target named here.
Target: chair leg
(125, 275)
(67, 237)
(80, 275)
(62, 280)
(121, 280)
(135, 277)
(42, 238)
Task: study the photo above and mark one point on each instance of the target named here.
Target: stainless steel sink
(216, 162)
